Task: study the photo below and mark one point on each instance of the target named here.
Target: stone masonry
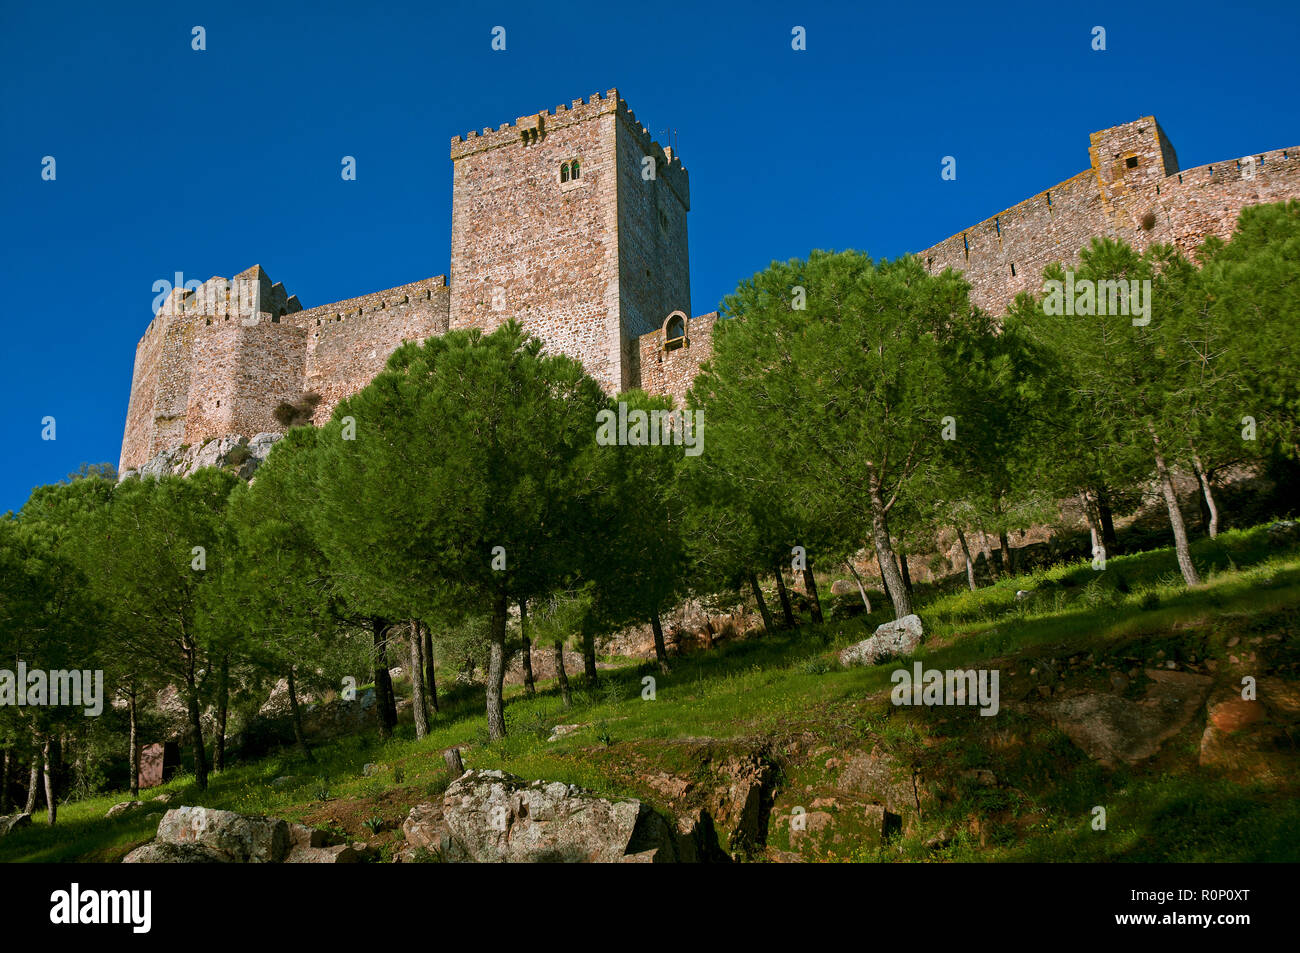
(573, 222)
(1133, 190)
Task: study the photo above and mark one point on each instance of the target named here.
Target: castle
(573, 222)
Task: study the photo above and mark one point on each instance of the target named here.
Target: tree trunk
(4, 781)
(196, 727)
(50, 753)
(295, 712)
(862, 590)
(661, 650)
(427, 634)
(223, 709)
(418, 708)
(1004, 549)
(906, 574)
(1091, 514)
(1209, 508)
(898, 593)
(762, 603)
(1181, 548)
(786, 612)
(529, 685)
(496, 715)
(810, 584)
(133, 759)
(1107, 520)
(589, 656)
(384, 703)
(455, 766)
(561, 675)
(970, 566)
(988, 554)
(33, 781)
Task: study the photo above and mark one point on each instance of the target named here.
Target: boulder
(117, 810)
(842, 587)
(12, 822)
(158, 852)
(495, 817)
(893, 639)
(338, 854)
(243, 838)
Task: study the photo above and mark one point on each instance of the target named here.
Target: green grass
(790, 685)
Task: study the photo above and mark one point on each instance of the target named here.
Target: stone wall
(654, 276)
(671, 372)
(215, 362)
(1134, 172)
(349, 342)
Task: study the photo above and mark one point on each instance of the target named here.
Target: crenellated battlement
(541, 123)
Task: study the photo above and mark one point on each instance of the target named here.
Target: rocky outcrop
(1251, 737)
(495, 817)
(1111, 729)
(895, 639)
(879, 778)
(242, 454)
(747, 801)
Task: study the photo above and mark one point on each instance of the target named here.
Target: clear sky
(171, 160)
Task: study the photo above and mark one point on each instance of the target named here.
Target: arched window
(564, 172)
(577, 172)
(675, 331)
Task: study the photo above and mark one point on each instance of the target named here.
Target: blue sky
(207, 162)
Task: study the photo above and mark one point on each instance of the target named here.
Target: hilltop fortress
(573, 222)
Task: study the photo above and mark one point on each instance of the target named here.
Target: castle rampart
(1134, 191)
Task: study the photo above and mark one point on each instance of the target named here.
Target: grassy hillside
(1010, 787)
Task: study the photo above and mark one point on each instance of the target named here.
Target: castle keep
(573, 222)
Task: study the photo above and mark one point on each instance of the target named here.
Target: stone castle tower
(573, 222)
